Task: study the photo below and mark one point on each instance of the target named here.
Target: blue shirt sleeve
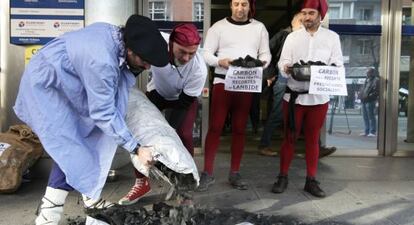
(98, 68)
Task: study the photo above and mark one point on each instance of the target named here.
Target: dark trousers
(57, 179)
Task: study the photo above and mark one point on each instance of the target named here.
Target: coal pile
(182, 182)
(247, 62)
(163, 214)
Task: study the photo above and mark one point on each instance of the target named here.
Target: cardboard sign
(328, 80)
(244, 79)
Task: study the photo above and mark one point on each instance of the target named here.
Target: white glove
(143, 160)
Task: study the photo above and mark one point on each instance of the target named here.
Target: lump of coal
(182, 182)
(247, 62)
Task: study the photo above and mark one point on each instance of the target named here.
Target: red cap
(320, 5)
(185, 34)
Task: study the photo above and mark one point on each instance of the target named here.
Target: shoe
(325, 151)
(371, 135)
(90, 205)
(205, 182)
(50, 209)
(266, 151)
(312, 187)
(140, 188)
(281, 184)
(363, 134)
(237, 182)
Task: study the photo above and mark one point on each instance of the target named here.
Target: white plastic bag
(150, 128)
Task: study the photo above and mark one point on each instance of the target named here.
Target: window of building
(364, 47)
(340, 10)
(365, 14)
(334, 12)
(346, 10)
(157, 10)
(198, 11)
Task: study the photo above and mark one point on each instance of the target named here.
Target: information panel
(39, 21)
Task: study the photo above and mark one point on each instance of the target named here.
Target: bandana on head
(320, 5)
(184, 34)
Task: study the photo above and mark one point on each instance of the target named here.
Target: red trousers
(312, 119)
(223, 102)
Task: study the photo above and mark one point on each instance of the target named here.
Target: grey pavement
(360, 190)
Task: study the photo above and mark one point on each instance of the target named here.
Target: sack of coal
(20, 148)
(150, 128)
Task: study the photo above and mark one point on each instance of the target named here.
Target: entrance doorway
(359, 25)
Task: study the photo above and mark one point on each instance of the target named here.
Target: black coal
(184, 184)
(163, 214)
(247, 62)
(310, 63)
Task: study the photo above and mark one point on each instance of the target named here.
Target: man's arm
(264, 50)
(210, 47)
(100, 76)
(336, 56)
(286, 60)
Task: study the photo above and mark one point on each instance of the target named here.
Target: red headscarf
(252, 11)
(320, 5)
(185, 34)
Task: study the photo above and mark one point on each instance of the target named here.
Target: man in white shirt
(227, 40)
(312, 43)
(175, 88)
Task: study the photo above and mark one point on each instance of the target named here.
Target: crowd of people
(74, 94)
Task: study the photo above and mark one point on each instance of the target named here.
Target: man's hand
(270, 81)
(225, 63)
(143, 160)
(288, 69)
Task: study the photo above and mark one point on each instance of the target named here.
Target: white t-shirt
(170, 81)
(324, 45)
(227, 40)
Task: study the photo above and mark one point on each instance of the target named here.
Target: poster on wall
(39, 21)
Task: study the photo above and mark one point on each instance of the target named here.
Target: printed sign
(3, 147)
(244, 79)
(328, 80)
(39, 21)
(29, 52)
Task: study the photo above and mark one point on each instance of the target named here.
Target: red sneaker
(141, 188)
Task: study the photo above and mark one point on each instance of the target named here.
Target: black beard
(136, 71)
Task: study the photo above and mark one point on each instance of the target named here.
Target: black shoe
(205, 182)
(281, 184)
(237, 182)
(312, 187)
(325, 151)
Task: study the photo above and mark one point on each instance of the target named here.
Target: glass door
(167, 14)
(352, 121)
(405, 134)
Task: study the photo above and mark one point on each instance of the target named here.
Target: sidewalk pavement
(372, 190)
